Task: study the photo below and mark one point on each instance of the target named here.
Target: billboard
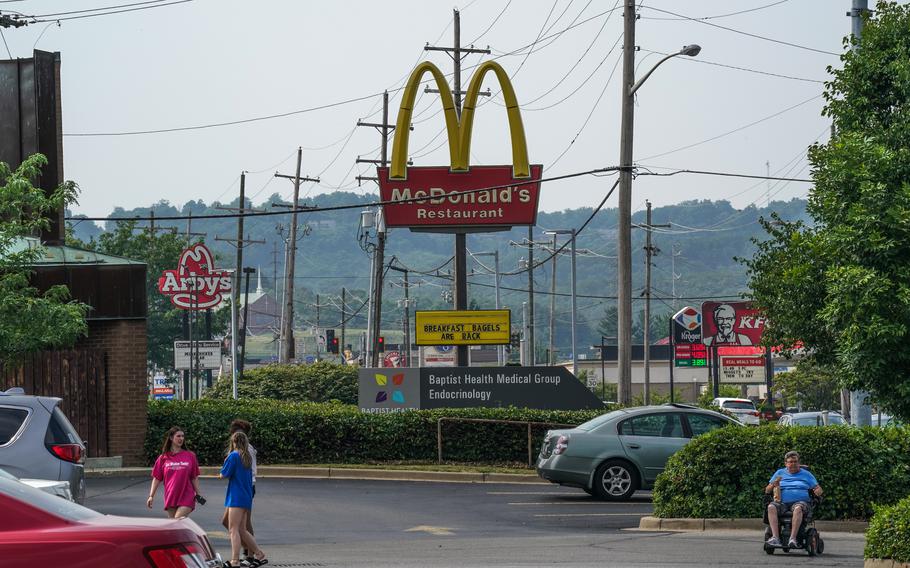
(196, 284)
(462, 327)
(731, 323)
(207, 354)
(459, 196)
(742, 369)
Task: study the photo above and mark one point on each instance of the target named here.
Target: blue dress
(240, 482)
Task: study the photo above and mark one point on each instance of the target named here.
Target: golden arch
(459, 132)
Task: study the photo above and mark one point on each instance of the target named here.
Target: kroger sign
(196, 284)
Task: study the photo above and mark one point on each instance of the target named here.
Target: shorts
(783, 508)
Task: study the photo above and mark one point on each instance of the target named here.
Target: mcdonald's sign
(445, 198)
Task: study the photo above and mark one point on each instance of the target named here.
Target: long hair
(169, 440)
(241, 443)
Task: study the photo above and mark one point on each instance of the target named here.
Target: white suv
(743, 408)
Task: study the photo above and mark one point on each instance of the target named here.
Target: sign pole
(234, 341)
(672, 360)
(715, 364)
(603, 369)
(769, 375)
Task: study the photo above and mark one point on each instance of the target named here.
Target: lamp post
(495, 254)
(571, 233)
(624, 240)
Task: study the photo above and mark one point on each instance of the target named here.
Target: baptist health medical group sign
(397, 390)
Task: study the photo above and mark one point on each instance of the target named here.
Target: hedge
(320, 382)
(288, 432)
(888, 535)
(723, 473)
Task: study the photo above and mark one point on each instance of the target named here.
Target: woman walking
(178, 469)
(238, 470)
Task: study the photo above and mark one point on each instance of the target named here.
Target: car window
(739, 405)
(595, 422)
(808, 421)
(835, 419)
(11, 420)
(702, 423)
(659, 425)
(59, 430)
(45, 501)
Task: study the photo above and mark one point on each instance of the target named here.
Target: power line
(97, 9)
(747, 69)
(756, 36)
(112, 12)
(725, 15)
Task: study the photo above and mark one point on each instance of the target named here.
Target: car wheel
(615, 480)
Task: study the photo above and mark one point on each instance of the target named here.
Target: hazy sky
(213, 61)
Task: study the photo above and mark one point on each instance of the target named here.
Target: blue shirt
(240, 482)
(794, 486)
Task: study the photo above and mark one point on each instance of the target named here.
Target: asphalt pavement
(340, 522)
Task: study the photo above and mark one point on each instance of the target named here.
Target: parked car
(57, 488)
(743, 408)
(37, 441)
(617, 453)
(812, 418)
(41, 530)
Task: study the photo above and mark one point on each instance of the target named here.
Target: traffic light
(331, 342)
(381, 344)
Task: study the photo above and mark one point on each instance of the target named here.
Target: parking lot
(321, 522)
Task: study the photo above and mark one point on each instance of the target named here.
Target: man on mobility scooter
(795, 492)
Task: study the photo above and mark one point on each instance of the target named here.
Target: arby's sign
(196, 284)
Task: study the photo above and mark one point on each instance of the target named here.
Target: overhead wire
(157, 5)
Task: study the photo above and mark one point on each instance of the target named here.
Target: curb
(278, 472)
(691, 525)
(884, 563)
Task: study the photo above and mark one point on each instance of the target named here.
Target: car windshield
(595, 422)
(739, 405)
(45, 501)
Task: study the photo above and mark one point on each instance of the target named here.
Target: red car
(41, 530)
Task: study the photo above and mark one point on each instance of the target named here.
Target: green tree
(841, 285)
(29, 320)
(160, 252)
(809, 386)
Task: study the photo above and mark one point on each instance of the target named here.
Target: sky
(205, 62)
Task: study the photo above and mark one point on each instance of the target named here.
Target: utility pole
(860, 410)
(650, 251)
(406, 303)
(457, 53)
(551, 356)
(375, 320)
(246, 321)
(287, 312)
(343, 322)
(624, 237)
(533, 360)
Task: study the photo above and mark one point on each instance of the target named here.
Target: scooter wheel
(769, 549)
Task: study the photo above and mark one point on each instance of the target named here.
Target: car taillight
(562, 443)
(67, 452)
(755, 413)
(186, 555)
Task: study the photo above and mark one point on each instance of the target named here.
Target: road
(337, 523)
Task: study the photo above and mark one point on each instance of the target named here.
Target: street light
(574, 345)
(624, 236)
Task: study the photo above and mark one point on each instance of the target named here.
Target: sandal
(256, 562)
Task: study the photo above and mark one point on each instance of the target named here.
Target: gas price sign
(690, 355)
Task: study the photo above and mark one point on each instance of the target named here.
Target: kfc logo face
(732, 323)
(196, 284)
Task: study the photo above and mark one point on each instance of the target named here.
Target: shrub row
(288, 432)
(320, 382)
(889, 532)
(723, 474)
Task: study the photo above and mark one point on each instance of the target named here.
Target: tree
(809, 386)
(841, 285)
(160, 252)
(29, 320)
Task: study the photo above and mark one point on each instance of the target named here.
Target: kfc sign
(731, 323)
(196, 284)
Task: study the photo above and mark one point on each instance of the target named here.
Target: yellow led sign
(467, 327)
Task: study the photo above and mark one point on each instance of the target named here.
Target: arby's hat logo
(196, 284)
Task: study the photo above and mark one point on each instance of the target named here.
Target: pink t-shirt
(177, 472)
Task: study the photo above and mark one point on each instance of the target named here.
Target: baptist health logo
(383, 381)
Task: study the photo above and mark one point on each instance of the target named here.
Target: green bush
(723, 473)
(288, 432)
(888, 535)
(320, 382)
